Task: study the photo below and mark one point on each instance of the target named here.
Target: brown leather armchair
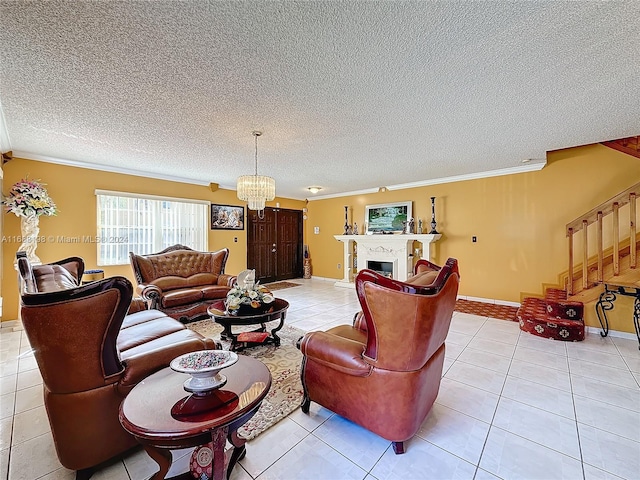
(384, 372)
(91, 353)
(180, 281)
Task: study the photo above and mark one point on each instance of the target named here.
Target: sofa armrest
(359, 321)
(150, 294)
(141, 365)
(137, 305)
(335, 352)
(226, 280)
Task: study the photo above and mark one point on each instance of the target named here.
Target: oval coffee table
(278, 311)
(146, 414)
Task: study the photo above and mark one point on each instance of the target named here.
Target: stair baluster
(632, 229)
(585, 255)
(600, 274)
(596, 215)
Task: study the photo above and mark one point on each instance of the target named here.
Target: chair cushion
(214, 292)
(424, 278)
(176, 298)
(145, 329)
(349, 332)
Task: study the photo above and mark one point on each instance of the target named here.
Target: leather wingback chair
(91, 353)
(384, 372)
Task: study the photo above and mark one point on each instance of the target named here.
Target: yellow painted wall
(73, 191)
(519, 221)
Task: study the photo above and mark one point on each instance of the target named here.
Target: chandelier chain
(256, 136)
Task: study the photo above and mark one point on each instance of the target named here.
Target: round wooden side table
(146, 414)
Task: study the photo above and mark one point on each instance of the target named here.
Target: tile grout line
(491, 426)
(575, 414)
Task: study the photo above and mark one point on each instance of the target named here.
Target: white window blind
(147, 224)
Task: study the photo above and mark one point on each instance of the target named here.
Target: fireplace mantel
(396, 248)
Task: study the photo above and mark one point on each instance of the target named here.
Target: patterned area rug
(284, 364)
(280, 285)
(502, 312)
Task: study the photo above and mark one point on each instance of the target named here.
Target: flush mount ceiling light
(256, 189)
(314, 189)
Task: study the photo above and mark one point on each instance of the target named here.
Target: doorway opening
(275, 244)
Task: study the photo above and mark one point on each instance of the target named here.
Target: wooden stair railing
(629, 145)
(595, 216)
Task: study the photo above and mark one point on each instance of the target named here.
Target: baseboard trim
(492, 301)
(612, 333)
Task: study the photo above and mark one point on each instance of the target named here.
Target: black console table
(606, 303)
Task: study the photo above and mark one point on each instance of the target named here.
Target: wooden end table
(217, 311)
(146, 414)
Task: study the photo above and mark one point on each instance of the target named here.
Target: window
(146, 224)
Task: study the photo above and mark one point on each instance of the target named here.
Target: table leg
(226, 332)
(162, 457)
(219, 458)
(276, 338)
(238, 453)
(605, 303)
(636, 317)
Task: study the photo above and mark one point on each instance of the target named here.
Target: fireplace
(383, 268)
(370, 251)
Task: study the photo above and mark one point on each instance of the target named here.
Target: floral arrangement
(29, 198)
(252, 295)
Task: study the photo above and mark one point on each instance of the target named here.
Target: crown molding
(108, 168)
(529, 167)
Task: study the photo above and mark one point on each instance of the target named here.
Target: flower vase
(29, 227)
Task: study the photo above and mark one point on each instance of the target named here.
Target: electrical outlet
(339, 266)
(474, 239)
(316, 230)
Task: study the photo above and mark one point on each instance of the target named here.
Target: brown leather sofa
(384, 372)
(182, 282)
(92, 346)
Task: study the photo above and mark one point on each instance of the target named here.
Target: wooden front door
(274, 244)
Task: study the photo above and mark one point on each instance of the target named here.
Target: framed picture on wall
(227, 217)
(387, 217)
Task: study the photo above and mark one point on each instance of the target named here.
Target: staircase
(617, 262)
(559, 315)
(553, 316)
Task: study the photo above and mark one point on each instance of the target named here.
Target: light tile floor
(511, 405)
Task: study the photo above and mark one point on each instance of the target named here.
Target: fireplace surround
(395, 249)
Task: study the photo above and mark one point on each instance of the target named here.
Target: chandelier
(256, 189)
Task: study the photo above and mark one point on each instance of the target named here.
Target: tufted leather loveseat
(182, 282)
(92, 346)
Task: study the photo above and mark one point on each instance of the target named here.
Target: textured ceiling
(350, 95)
